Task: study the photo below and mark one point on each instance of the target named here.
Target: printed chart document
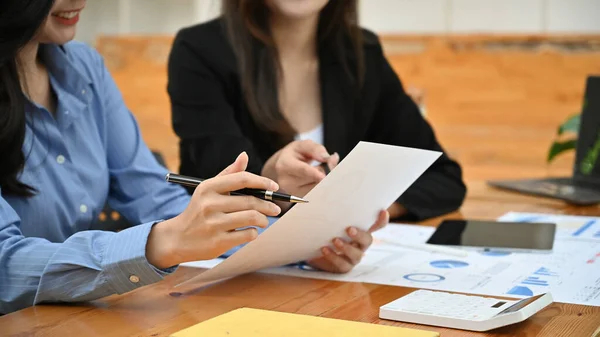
(571, 272)
(368, 180)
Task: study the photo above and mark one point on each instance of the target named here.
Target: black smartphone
(495, 235)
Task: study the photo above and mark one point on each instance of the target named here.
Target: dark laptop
(583, 188)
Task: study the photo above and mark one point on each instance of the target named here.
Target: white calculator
(463, 312)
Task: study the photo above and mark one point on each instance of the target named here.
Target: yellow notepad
(248, 322)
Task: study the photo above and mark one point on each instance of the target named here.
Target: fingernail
(274, 186)
(338, 243)
(352, 231)
(325, 251)
(240, 155)
(325, 156)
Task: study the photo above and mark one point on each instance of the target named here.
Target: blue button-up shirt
(88, 153)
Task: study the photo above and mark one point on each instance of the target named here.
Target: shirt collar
(63, 69)
(71, 85)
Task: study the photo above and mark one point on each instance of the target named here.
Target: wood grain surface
(152, 311)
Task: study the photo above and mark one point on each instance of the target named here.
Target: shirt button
(67, 112)
(83, 92)
(60, 159)
(134, 279)
(83, 208)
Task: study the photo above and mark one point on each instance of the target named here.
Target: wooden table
(151, 311)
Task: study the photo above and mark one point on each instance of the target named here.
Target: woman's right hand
(210, 224)
(292, 166)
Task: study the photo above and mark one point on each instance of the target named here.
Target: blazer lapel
(337, 106)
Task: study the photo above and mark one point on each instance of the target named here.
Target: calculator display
(493, 234)
(498, 305)
(521, 304)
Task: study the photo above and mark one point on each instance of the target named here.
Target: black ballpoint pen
(325, 168)
(261, 194)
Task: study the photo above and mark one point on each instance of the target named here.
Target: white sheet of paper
(368, 180)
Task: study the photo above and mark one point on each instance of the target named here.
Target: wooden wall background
(494, 101)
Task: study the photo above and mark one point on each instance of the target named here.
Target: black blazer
(214, 125)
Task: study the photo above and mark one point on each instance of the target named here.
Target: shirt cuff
(125, 260)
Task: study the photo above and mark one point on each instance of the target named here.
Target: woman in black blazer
(267, 74)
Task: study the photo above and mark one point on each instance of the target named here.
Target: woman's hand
(292, 166)
(346, 255)
(209, 225)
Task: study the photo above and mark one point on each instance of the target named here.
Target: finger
(239, 180)
(231, 204)
(233, 221)
(240, 164)
(350, 252)
(333, 161)
(236, 238)
(362, 238)
(382, 221)
(340, 264)
(311, 150)
(304, 172)
(321, 263)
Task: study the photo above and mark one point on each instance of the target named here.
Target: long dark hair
(249, 34)
(19, 22)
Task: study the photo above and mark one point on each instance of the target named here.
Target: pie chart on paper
(424, 277)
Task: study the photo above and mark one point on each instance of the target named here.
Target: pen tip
(297, 200)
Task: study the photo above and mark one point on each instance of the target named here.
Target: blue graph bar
(535, 283)
(533, 278)
(544, 272)
(597, 235)
(584, 228)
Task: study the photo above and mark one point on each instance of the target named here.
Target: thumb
(239, 165)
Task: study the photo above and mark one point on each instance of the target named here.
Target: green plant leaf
(559, 147)
(570, 125)
(589, 162)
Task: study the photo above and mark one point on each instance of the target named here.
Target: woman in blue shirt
(68, 145)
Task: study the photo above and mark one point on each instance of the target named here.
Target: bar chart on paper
(534, 283)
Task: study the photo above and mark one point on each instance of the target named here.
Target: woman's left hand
(346, 255)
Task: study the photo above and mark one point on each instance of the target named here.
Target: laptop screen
(587, 162)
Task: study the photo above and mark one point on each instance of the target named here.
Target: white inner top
(316, 135)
